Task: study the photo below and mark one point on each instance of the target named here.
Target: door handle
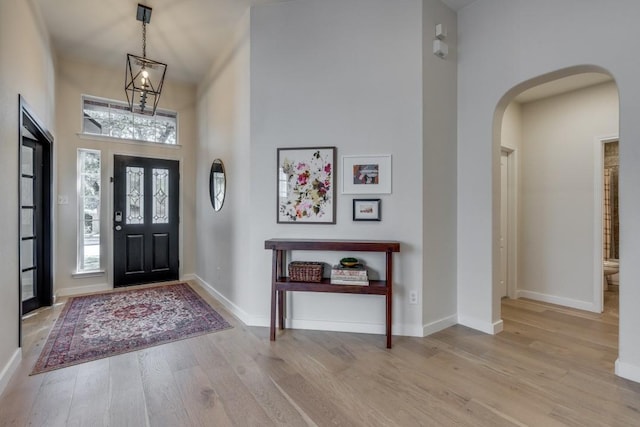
(117, 216)
(118, 227)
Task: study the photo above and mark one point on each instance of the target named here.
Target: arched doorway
(553, 127)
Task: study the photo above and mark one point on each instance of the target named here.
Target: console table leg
(389, 280)
(281, 309)
(389, 317)
(274, 263)
(272, 331)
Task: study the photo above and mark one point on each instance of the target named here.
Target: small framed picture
(366, 209)
(366, 174)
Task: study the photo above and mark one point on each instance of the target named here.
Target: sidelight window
(88, 210)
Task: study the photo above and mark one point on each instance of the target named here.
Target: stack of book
(356, 275)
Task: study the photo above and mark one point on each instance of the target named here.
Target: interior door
(145, 220)
(35, 212)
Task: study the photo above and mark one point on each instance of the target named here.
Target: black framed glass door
(36, 284)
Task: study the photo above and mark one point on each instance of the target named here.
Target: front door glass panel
(160, 196)
(135, 195)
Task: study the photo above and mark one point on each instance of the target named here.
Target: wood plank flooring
(552, 366)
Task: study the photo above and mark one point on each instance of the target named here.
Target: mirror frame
(217, 166)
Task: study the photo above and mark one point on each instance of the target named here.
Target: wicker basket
(305, 271)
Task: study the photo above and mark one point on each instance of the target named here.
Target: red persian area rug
(95, 326)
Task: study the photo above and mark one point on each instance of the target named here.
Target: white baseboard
(498, 327)
(314, 325)
(354, 327)
(324, 325)
(491, 328)
(408, 330)
(9, 369)
(439, 325)
(189, 276)
(78, 290)
(628, 371)
(553, 299)
(245, 317)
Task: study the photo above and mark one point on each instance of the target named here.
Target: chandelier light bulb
(145, 74)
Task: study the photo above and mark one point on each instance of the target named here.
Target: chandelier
(144, 77)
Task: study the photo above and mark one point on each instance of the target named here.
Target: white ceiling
(185, 34)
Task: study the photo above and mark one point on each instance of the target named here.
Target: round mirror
(217, 184)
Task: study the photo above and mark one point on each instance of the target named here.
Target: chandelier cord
(144, 39)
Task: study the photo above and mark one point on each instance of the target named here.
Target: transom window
(112, 118)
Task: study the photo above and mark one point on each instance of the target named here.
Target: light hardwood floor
(551, 366)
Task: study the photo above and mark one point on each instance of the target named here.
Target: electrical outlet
(413, 297)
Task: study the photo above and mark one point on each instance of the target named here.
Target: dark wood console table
(280, 283)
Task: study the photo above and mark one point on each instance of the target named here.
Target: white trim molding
(242, 315)
(9, 369)
(316, 325)
(482, 326)
(554, 299)
(79, 290)
(627, 371)
(439, 325)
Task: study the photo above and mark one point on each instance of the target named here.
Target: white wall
(222, 244)
(27, 68)
(73, 79)
(557, 197)
(504, 43)
(339, 73)
(345, 74)
(439, 170)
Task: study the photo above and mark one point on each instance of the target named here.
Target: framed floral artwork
(306, 185)
(366, 174)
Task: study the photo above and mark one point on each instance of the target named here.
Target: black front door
(145, 220)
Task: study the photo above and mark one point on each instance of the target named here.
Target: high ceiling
(185, 34)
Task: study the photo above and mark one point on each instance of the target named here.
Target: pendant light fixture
(144, 77)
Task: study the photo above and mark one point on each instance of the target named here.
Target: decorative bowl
(349, 262)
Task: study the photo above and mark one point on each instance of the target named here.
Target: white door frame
(598, 201)
(512, 223)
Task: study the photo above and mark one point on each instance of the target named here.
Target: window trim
(123, 105)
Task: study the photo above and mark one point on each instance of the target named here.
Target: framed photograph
(366, 174)
(366, 209)
(306, 185)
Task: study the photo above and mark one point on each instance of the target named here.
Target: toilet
(609, 267)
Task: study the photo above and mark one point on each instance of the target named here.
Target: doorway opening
(35, 182)
(607, 225)
(551, 122)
